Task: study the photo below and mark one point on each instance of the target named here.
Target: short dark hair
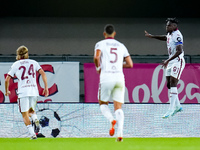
(109, 29)
(172, 20)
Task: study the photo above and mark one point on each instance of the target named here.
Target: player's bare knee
(102, 102)
(117, 105)
(25, 114)
(168, 85)
(31, 110)
(173, 82)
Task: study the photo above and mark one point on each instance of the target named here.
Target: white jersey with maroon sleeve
(174, 39)
(111, 61)
(25, 71)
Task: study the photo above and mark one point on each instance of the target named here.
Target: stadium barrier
(146, 83)
(63, 81)
(86, 120)
(89, 59)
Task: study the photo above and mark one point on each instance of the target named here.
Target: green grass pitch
(100, 144)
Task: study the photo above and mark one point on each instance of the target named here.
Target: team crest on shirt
(113, 68)
(175, 69)
(178, 39)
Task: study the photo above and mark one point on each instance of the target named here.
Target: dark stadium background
(100, 8)
(72, 27)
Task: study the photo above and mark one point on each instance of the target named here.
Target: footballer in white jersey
(25, 70)
(109, 55)
(174, 65)
(111, 60)
(174, 39)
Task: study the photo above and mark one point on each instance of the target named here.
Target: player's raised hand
(147, 34)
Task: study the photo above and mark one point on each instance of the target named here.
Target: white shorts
(109, 91)
(175, 69)
(25, 103)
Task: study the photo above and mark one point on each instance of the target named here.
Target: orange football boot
(112, 129)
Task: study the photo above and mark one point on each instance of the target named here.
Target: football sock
(177, 102)
(120, 122)
(106, 112)
(34, 117)
(173, 97)
(30, 129)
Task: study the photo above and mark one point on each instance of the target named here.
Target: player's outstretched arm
(44, 78)
(128, 62)
(158, 37)
(7, 80)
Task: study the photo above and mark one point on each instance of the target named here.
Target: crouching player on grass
(25, 70)
(108, 58)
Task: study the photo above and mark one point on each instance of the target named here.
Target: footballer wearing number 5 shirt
(109, 55)
(174, 65)
(25, 70)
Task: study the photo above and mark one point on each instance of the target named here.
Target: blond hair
(22, 52)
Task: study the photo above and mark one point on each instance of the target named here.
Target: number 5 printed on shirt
(113, 51)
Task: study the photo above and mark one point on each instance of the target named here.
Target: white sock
(173, 97)
(177, 102)
(30, 129)
(120, 122)
(106, 112)
(33, 117)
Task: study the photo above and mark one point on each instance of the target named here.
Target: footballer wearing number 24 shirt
(25, 71)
